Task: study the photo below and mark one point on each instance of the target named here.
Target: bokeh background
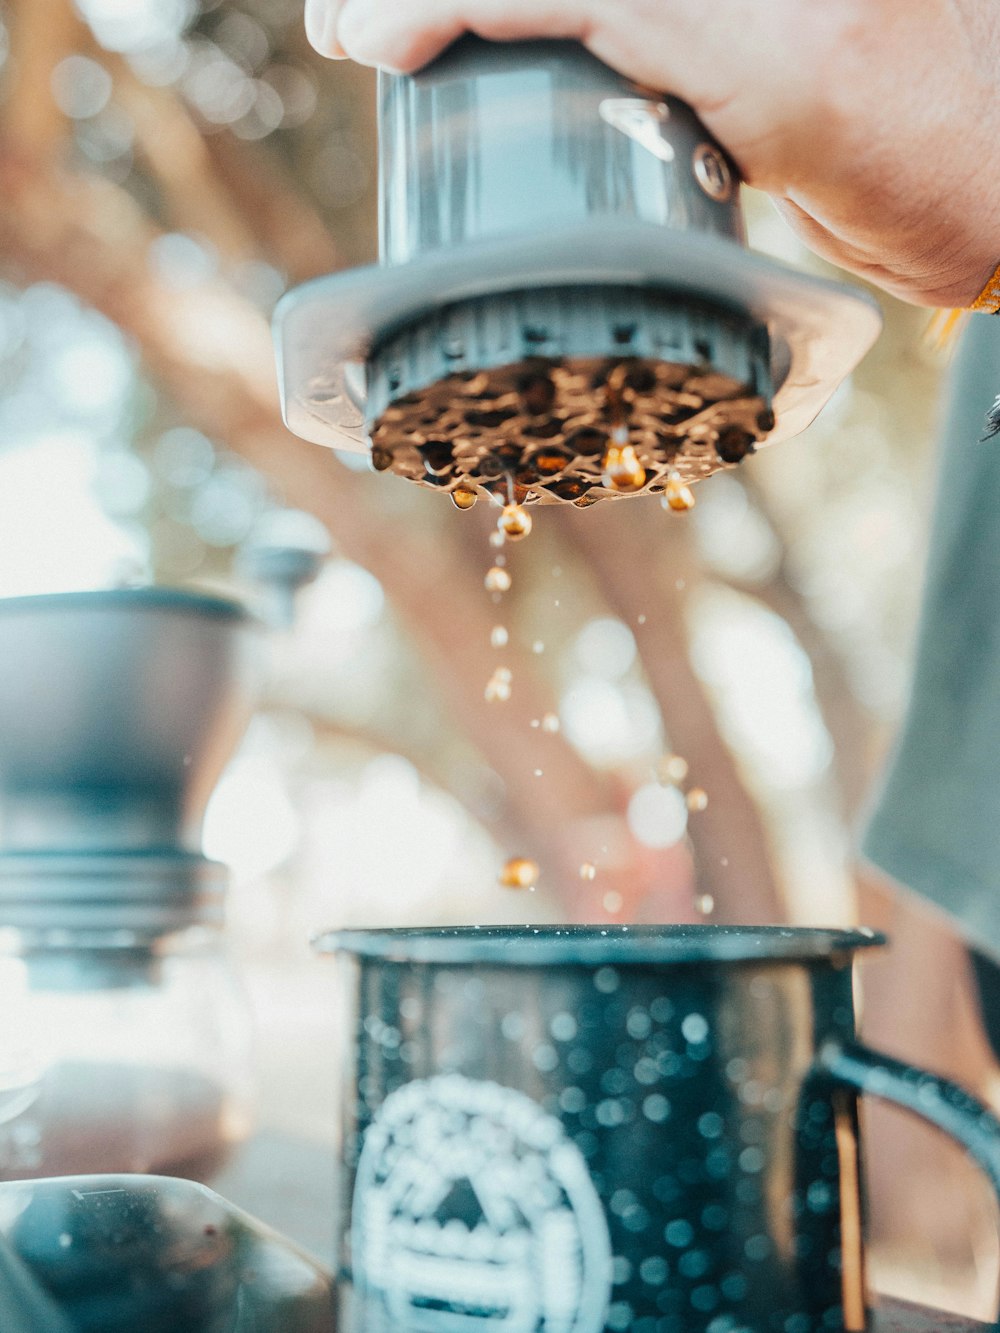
(167, 169)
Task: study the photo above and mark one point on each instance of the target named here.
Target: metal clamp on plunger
(565, 309)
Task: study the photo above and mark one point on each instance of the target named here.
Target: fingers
(321, 18)
(659, 43)
(399, 36)
(404, 36)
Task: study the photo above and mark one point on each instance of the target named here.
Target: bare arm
(874, 124)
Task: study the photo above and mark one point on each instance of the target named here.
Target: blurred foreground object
(119, 1254)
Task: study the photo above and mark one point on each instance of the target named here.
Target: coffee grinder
(564, 310)
(128, 1049)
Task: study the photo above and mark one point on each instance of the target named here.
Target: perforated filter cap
(524, 393)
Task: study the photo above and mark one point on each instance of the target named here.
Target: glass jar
(120, 1053)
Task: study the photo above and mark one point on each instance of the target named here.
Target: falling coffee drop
(514, 522)
(520, 872)
(697, 799)
(704, 904)
(499, 636)
(671, 770)
(497, 580)
(498, 687)
(464, 497)
(622, 471)
(550, 723)
(497, 540)
(588, 870)
(677, 494)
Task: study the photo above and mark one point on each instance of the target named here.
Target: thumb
(404, 37)
(321, 18)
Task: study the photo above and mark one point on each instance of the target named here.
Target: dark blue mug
(642, 1129)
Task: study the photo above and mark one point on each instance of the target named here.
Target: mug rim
(147, 597)
(598, 945)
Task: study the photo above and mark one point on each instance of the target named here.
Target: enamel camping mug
(651, 1129)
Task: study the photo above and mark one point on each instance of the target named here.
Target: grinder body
(516, 392)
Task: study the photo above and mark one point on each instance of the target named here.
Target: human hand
(874, 124)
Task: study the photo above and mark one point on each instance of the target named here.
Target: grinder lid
(326, 329)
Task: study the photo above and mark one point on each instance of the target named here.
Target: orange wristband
(989, 298)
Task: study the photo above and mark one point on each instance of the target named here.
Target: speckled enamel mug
(652, 1129)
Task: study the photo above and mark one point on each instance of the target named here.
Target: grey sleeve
(935, 826)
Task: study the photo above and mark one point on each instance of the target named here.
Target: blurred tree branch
(289, 229)
(846, 718)
(644, 568)
(212, 350)
(43, 32)
(178, 158)
(240, 198)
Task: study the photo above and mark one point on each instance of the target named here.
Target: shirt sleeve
(935, 825)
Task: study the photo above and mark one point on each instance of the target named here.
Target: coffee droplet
(497, 539)
(588, 870)
(381, 459)
(613, 902)
(514, 522)
(550, 723)
(677, 494)
(463, 497)
(705, 904)
(520, 872)
(498, 636)
(671, 770)
(697, 799)
(622, 470)
(498, 687)
(497, 580)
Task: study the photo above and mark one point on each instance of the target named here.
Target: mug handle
(938, 1101)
